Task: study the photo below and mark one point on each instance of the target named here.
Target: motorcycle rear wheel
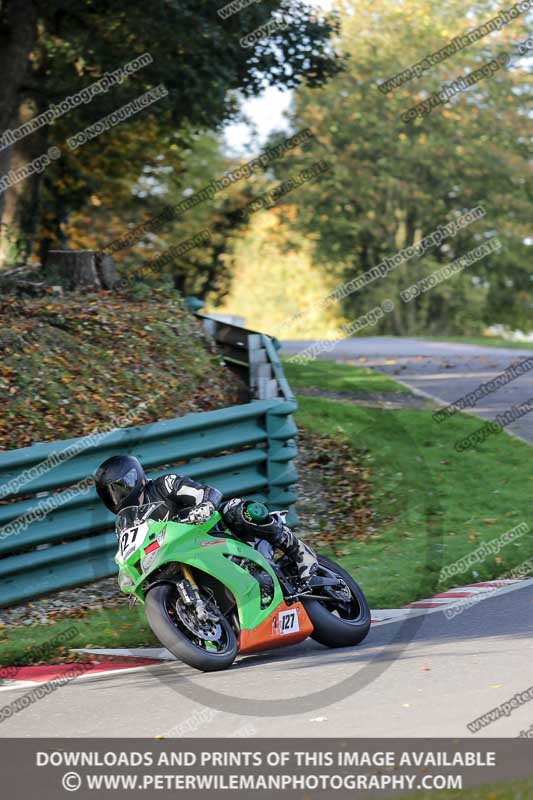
(343, 624)
(181, 641)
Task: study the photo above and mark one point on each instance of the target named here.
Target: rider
(121, 482)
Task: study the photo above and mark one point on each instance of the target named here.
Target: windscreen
(133, 516)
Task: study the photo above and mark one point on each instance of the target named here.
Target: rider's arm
(188, 493)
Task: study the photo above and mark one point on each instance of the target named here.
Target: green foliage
(274, 284)
(196, 55)
(203, 269)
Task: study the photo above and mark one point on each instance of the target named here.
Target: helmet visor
(118, 490)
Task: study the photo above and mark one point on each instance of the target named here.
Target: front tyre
(342, 619)
(197, 647)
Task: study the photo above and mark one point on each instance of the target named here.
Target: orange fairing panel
(285, 625)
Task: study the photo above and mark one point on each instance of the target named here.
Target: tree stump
(105, 267)
(83, 270)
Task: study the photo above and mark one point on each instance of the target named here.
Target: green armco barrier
(272, 346)
(55, 534)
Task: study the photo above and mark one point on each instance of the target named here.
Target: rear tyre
(338, 624)
(182, 641)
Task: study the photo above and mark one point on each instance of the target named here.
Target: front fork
(190, 594)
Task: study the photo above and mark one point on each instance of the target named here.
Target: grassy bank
(72, 365)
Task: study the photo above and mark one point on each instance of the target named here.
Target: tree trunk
(18, 26)
(81, 270)
(21, 206)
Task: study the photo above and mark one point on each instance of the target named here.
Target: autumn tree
(197, 56)
(392, 182)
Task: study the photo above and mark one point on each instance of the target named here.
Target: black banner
(310, 768)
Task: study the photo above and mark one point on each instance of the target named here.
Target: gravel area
(101, 594)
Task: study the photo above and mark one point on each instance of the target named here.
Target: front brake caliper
(192, 598)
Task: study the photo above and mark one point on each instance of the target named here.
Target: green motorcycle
(209, 596)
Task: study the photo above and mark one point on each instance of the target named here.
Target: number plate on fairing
(288, 622)
(131, 540)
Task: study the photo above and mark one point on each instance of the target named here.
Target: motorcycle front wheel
(205, 646)
(342, 618)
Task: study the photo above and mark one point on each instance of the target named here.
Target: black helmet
(119, 482)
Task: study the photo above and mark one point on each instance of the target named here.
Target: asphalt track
(428, 676)
(444, 371)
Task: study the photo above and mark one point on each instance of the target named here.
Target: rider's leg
(273, 528)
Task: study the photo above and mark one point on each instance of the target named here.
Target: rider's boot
(300, 553)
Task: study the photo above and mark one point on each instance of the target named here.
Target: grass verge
(431, 504)
(482, 341)
(339, 377)
(34, 644)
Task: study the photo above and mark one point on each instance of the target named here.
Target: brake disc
(208, 630)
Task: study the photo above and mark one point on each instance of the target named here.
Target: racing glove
(200, 513)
